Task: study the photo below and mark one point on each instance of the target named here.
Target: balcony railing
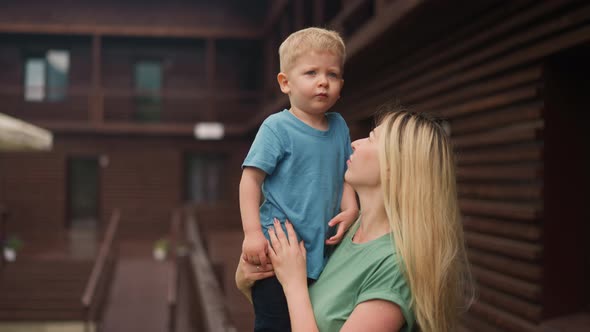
(104, 106)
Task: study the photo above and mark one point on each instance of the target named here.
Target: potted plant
(11, 246)
(160, 249)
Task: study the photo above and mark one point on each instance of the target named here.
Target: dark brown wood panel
(32, 188)
(171, 19)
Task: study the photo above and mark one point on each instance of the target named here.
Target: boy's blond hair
(310, 39)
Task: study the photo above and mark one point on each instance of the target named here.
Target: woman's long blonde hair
(419, 188)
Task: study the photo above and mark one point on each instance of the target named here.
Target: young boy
(297, 161)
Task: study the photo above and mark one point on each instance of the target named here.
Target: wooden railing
(3, 217)
(215, 313)
(102, 271)
(175, 227)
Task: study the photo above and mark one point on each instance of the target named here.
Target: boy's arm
(346, 218)
(349, 199)
(254, 246)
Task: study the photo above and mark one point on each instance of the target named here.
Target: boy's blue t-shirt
(304, 177)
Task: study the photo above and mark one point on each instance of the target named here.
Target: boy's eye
(310, 72)
(334, 75)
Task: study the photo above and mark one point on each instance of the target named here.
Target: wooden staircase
(41, 290)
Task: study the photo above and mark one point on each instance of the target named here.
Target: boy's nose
(322, 80)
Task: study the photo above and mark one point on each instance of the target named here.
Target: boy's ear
(283, 83)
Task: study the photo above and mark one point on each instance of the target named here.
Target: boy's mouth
(325, 95)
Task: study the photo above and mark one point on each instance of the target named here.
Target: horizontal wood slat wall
(32, 188)
(142, 177)
(486, 81)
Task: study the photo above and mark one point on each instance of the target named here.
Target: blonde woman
(402, 266)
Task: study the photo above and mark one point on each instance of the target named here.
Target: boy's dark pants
(270, 306)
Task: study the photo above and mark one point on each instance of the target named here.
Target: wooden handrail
(174, 275)
(3, 214)
(215, 313)
(98, 269)
(109, 92)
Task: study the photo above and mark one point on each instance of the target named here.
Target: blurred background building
(123, 85)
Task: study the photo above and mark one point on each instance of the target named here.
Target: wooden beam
(379, 24)
(79, 127)
(472, 323)
(96, 106)
(347, 10)
(517, 153)
(503, 228)
(494, 101)
(298, 14)
(504, 191)
(501, 117)
(507, 247)
(131, 30)
(454, 74)
(440, 53)
(138, 129)
(485, 88)
(525, 133)
(275, 105)
(274, 14)
(185, 94)
(527, 309)
(521, 211)
(319, 8)
(524, 289)
(506, 321)
(211, 72)
(510, 266)
(500, 172)
(284, 29)
(379, 5)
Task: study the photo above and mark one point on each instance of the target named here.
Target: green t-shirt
(356, 273)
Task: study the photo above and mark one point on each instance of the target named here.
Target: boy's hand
(344, 220)
(254, 248)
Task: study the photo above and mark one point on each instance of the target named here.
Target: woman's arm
(288, 259)
(375, 315)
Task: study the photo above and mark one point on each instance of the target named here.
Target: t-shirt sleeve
(387, 283)
(266, 150)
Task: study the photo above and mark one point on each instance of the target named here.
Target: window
(46, 76)
(204, 178)
(148, 83)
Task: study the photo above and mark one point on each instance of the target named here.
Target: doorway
(566, 256)
(83, 205)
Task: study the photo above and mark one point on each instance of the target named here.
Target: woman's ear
(283, 83)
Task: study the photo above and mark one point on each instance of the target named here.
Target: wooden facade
(510, 78)
(512, 82)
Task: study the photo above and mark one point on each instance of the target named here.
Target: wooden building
(121, 85)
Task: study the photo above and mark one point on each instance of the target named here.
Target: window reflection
(46, 77)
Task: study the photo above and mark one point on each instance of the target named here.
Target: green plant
(14, 243)
(161, 244)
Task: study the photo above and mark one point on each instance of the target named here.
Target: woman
(403, 263)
